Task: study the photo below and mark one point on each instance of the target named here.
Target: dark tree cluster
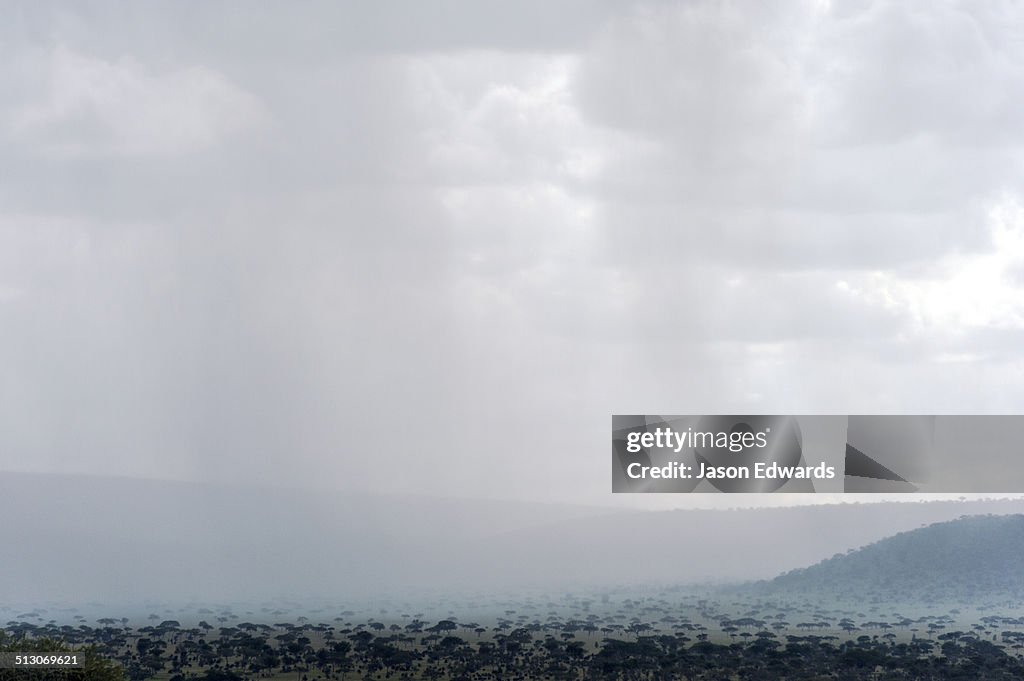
(449, 650)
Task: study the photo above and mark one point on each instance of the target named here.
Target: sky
(431, 248)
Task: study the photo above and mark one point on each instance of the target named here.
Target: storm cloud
(406, 247)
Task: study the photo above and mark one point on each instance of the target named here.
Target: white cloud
(962, 292)
(945, 70)
(494, 118)
(88, 106)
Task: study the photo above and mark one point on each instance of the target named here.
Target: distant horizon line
(792, 500)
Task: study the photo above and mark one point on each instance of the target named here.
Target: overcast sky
(432, 247)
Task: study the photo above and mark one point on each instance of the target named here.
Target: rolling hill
(970, 560)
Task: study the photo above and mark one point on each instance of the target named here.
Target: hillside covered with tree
(972, 560)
